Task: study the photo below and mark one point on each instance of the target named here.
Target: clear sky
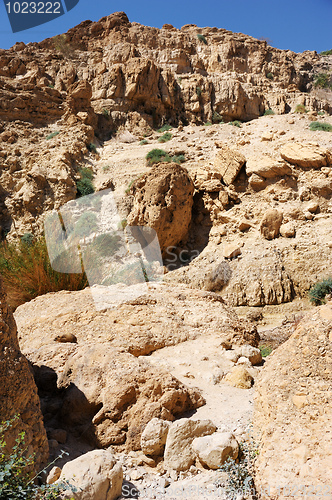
(297, 25)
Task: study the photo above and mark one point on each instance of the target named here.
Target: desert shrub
(105, 112)
(236, 123)
(92, 148)
(86, 224)
(84, 184)
(207, 124)
(164, 128)
(198, 91)
(324, 127)
(202, 39)
(62, 46)
(321, 113)
(159, 155)
(27, 272)
(318, 291)
(300, 108)
(127, 191)
(106, 168)
(216, 117)
(269, 76)
(53, 134)
(17, 479)
(122, 224)
(322, 80)
(107, 244)
(326, 53)
(143, 142)
(165, 137)
(265, 350)
(178, 159)
(269, 112)
(240, 472)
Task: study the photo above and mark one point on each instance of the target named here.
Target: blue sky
(297, 25)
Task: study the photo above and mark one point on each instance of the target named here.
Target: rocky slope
(19, 400)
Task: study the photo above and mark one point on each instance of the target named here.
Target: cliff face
(18, 392)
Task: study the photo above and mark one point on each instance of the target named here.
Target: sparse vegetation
(61, 45)
(207, 124)
(318, 292)
(17, 479)
(84, 184)
(202, 39)
(105, 112)
(27, 271)
(216, 117)
(319, 126)
(123, 224)
(92, 148)
(300, 108)
(106, 168)
(159, 155)
(198, 91)
(164, 128)
(265, 350)
(322, 80)
(143, 142)
(53, 134)
(86, 224)
(165, 137)
(326, 53)
(269, 76)
(236, 123)
(321, 113)
(269, 112)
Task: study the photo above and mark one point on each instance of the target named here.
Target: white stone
(154, 436)
(214, 450)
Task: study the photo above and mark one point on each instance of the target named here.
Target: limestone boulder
(293, 409)
(239, 377)
(288, 230)
(267, 167)
(163, 200)
(271, 223)
(154, 437)
(305, 156)
(228, 163)
(93, 476)
(179, 454)
(214, 450)
(253, 354)
(18, 391)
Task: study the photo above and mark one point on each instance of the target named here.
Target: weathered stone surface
(229, 163)
(18, 391)
(270, 224)
(214, 450)
(256, 182)
(231, 250)
(252, 353)
(163, 200)
(267, 167)
(293, 409)
(287, 230)
(305, 156)
(93, 476)
(154, 437)
(239, 377)
(179, 454)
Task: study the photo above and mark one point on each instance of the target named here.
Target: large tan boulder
(215, 449)
(306, 156)
(18, 391)
(293, 411)
(228, 163)
(154, 437)
(93, 476)
(179, 454)
(271, 223)
(239, 377)
(163, 200)
(267, 167)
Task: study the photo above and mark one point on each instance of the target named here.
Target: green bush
(207, 124)
(143, 142)
(322, 80)
(317, 292)
(92, 148)
(202, 39)
(324, 127)
(53, 134)
(17, 479)
(269, 112)
(165, 137)
(236, 123)
(107, 244)
(27, 272)
(269, 76)
(198, 91)
(216, 117)
(159, 155)
(326, 53)
(300, 108)
(86, 224)
(84, 184)
(265, 350)
(105, 112)
(164, 128)
(321, 113)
